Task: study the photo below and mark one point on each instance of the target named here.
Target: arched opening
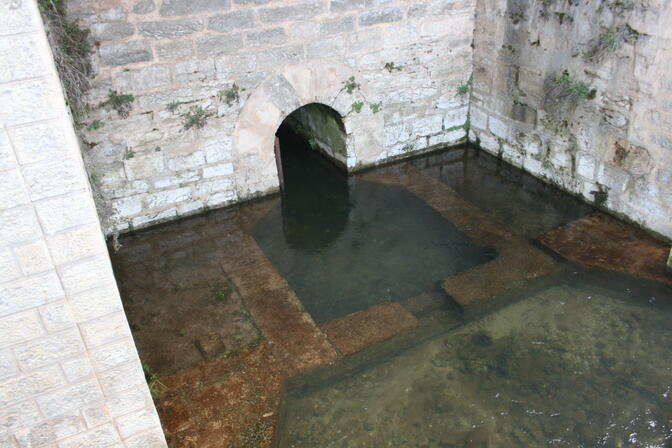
(310, 154)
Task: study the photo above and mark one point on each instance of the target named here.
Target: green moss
(357, 106)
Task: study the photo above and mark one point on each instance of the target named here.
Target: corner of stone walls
(69, 371)
(607, 144)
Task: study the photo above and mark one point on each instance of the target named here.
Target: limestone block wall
(69, 372)
(406, 57)
(615, 143)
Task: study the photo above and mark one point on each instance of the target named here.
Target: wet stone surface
(605, 242)
(540, 358)
(568, 366)
(181, 305)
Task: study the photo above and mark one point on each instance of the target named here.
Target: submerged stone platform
(604, 242)
(228, 393)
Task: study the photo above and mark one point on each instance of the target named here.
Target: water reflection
(311, 184)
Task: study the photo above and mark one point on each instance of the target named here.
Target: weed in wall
(563, 17)
(610, 41)
(121, 102)
(350, 85)
(95, 125)
(517, 17)
(465, 88)
(71, 50)
(230, 95)
(196, 117)
(376, 107)
(172, 106)
(562, 93)
(390, 67)
(128, 154)
(357, 106)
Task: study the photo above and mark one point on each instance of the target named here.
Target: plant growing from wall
(562, 93)
(128, 154)
(350, 85)
(71, 49)
(121, 102)
(95, 125)
(390, 67)
(172, 106)
(230, 95)
(563, 17)
(517, 17)
(464, 88)
(375, 107)
(196, 117)
(600, 196)
(610, 41)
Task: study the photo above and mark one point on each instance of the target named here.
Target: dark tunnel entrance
(310, 152)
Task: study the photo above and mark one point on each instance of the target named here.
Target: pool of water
(584, 362)
(578, 360)
(346, 244)
(575, 357)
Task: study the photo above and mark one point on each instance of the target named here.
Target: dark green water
(580, 359)
(345, 245)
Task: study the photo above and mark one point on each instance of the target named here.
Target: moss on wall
(323, 128)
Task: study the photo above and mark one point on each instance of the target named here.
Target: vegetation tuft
(610, 41)
(152, 378)
(390, 67)
(350, 85)
(95, 125)
(128, 154)
(562, 93)
(121, 102)
(375, 107)
(196, 117)
(465, 88)
(71, 51)
(230, 95)
(357, 106)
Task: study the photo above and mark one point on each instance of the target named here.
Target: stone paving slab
(516, 265)
(358, 330)
(604, 242)
(517, 262)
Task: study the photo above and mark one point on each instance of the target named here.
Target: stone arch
(323, 126)
(281, 94)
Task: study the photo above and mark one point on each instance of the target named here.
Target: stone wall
(177, 57)
(69, 371)
(580, 93)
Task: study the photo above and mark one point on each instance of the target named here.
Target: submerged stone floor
(225, 332)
